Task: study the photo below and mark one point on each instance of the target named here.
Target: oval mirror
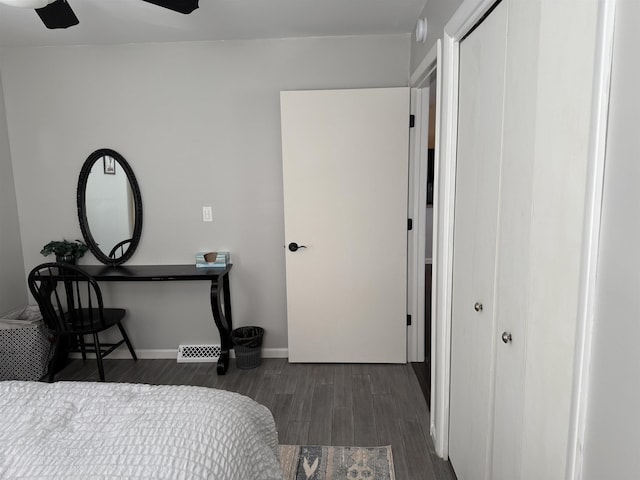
(109, 207)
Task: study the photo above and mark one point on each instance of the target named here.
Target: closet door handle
(506, 337)
(478, 307)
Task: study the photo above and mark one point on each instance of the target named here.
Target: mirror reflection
(109, 206)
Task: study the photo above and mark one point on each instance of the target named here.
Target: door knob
(477, 307)
(506, 337)
(293, 246)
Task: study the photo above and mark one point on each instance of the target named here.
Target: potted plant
(65, 251)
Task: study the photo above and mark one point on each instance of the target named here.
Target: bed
(85, 430)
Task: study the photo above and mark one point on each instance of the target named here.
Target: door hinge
(409, 223)
(408, 319)
(412, 121)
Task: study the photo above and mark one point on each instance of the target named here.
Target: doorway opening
(426, 155)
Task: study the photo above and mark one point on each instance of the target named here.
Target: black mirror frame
(82, 211)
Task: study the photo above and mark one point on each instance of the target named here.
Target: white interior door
(345, 170)
(479, 152)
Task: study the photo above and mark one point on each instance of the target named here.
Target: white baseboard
(172, 353)
(123, 354)
(272, 353)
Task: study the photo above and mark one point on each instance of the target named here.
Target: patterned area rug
(310, 462)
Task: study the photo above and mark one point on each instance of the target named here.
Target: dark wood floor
(317, 404)
(423, 374)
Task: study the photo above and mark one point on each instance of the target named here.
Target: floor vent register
(198, 353)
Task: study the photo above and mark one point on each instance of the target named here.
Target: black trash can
(247, 343)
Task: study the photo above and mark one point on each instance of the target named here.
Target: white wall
(13, 286)
(612, 442)
(199, 123)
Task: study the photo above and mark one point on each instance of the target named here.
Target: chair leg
(55, 359)
(82, 347)
(126, 340)
(96, 343)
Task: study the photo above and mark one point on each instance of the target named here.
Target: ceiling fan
(58, 13)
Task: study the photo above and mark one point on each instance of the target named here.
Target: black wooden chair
(71, 304)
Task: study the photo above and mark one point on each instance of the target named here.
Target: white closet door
(514, 267)
(345, 167)
(479, 151)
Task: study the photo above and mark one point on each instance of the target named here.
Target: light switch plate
(207, 215)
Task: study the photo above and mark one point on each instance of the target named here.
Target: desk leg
(222, 319)
(226, 290)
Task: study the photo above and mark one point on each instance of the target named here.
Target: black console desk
(220, 292)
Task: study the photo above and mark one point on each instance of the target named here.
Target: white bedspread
(84, 430)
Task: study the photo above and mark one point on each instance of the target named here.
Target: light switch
(207, 215)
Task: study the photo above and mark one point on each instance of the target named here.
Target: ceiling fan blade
(57, 15)
(181, 6)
